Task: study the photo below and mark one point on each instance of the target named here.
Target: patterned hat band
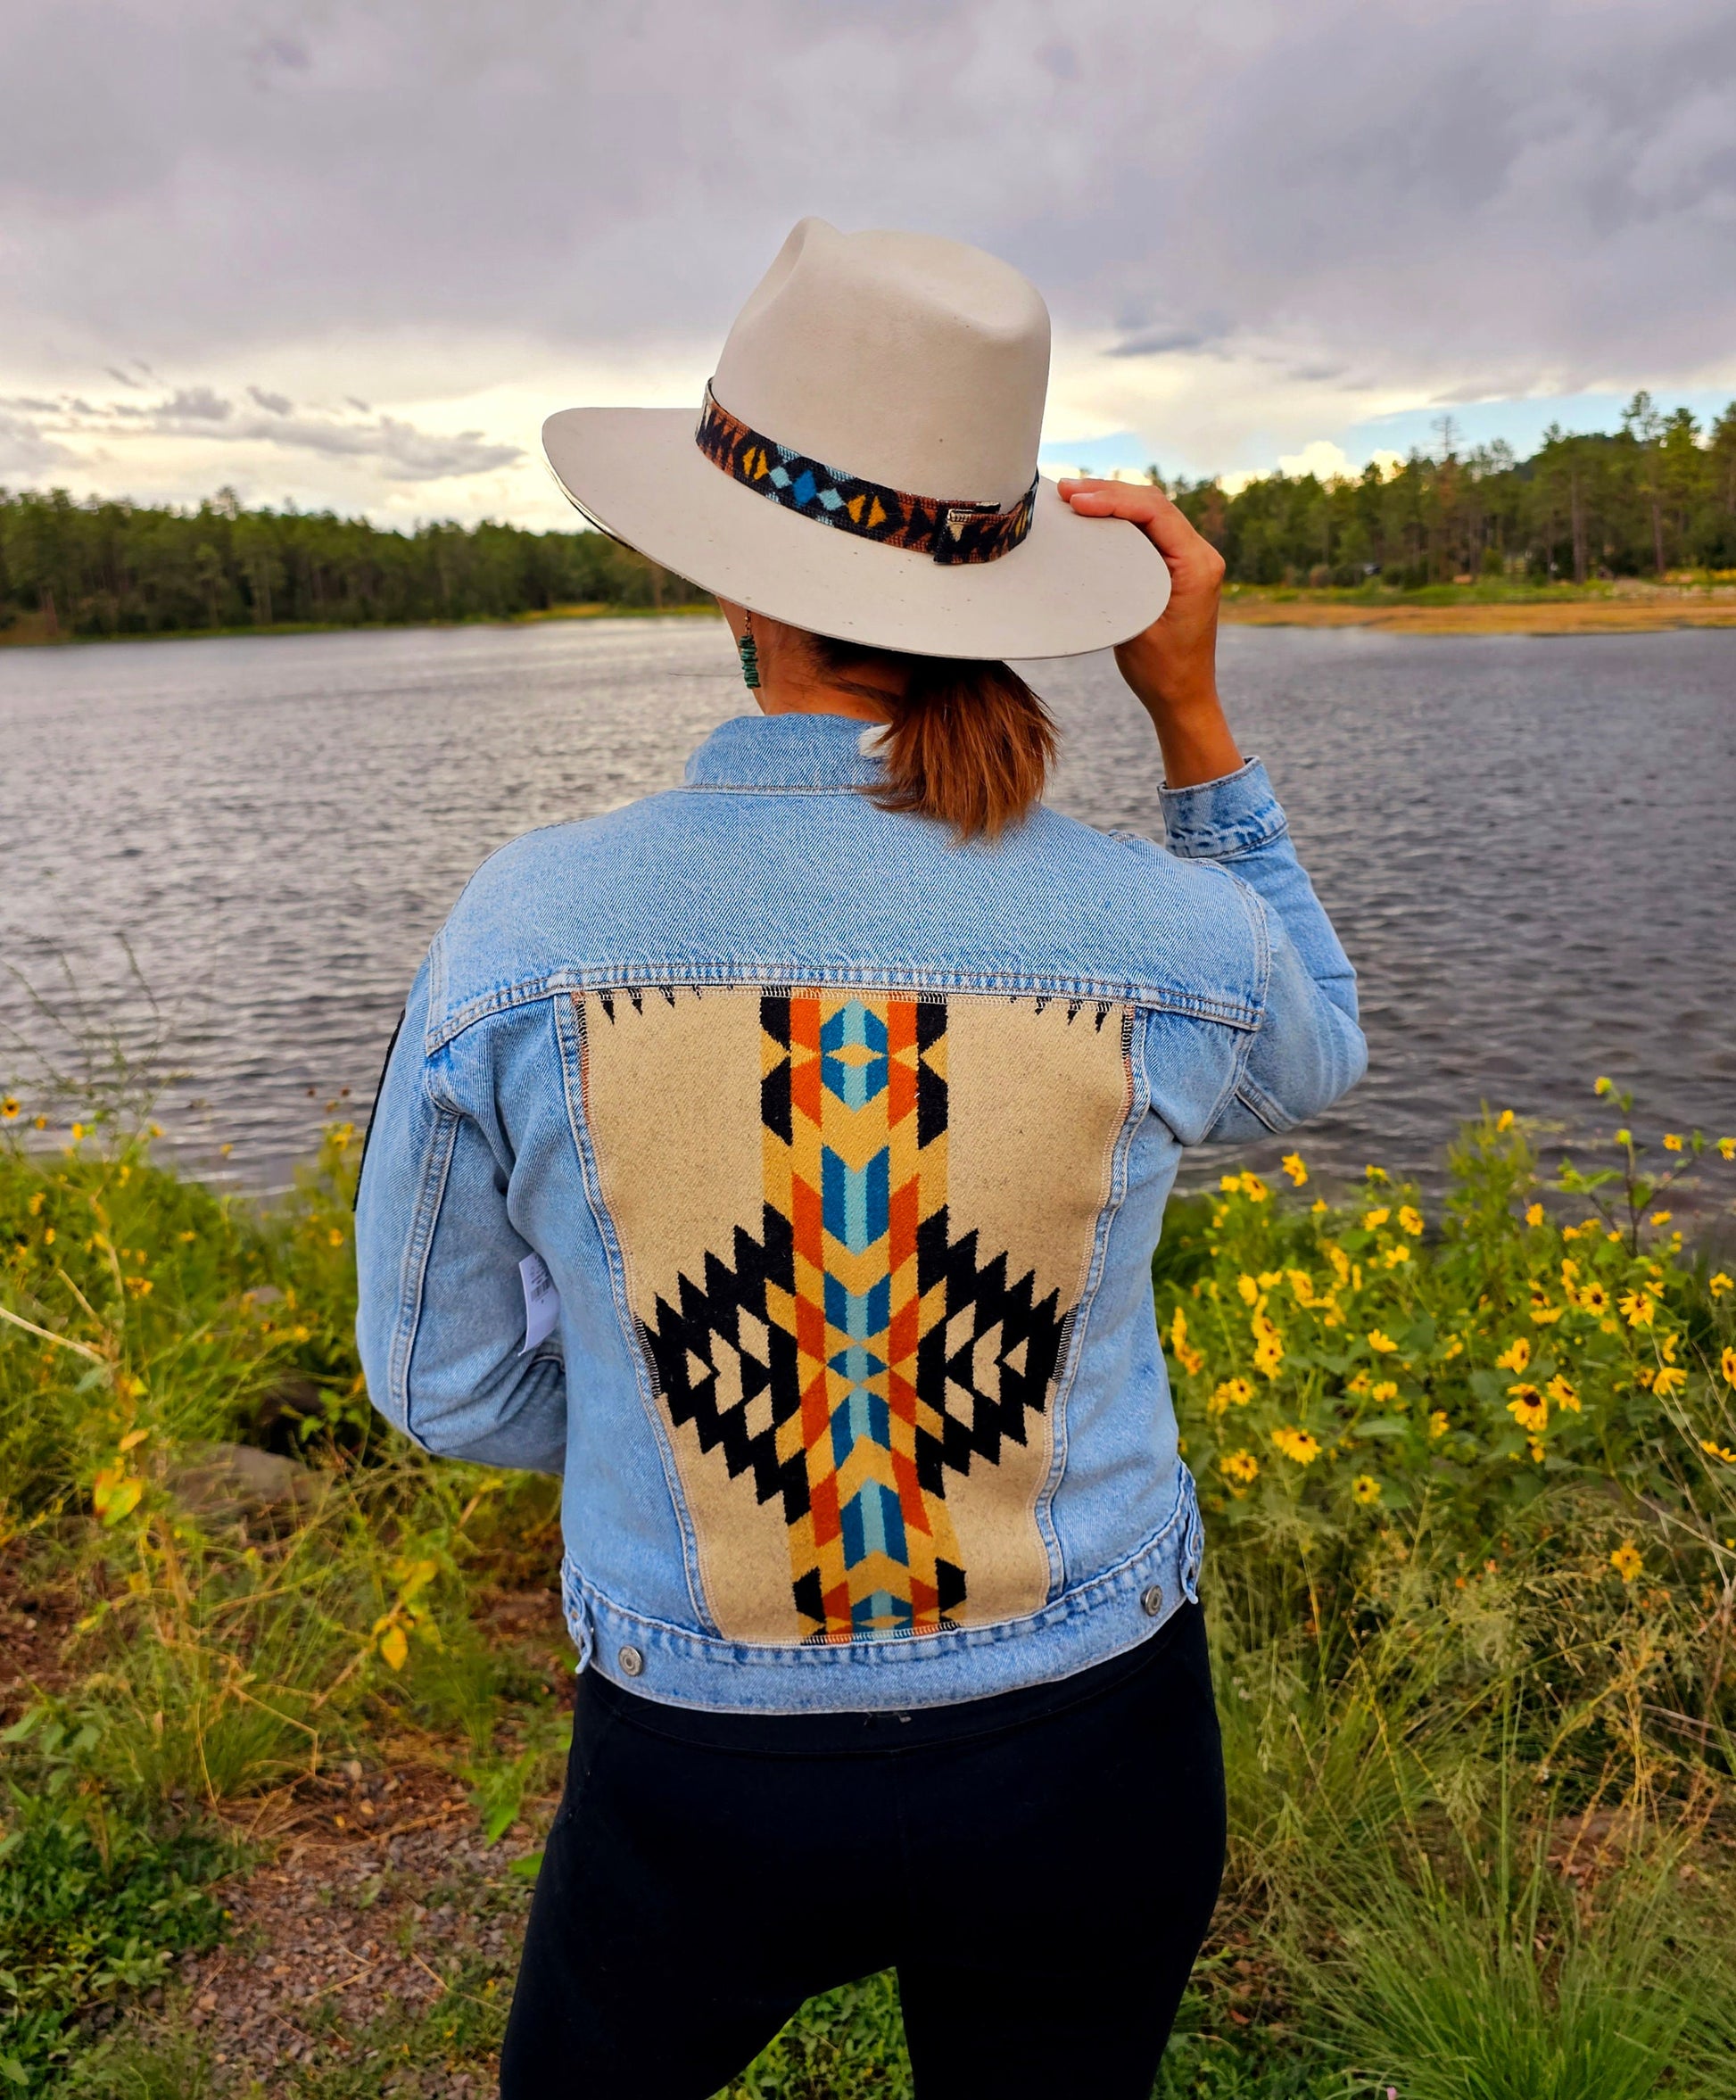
(951, 533)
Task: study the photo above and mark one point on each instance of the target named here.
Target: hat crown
(897, 358)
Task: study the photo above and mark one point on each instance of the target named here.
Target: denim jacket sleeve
(441, 1317)
(1308, 1049)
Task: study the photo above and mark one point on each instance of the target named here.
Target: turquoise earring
(749, 651)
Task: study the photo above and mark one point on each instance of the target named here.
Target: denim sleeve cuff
(1218, 820)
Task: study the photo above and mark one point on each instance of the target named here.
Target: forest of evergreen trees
(105, 567)
(1657, 495)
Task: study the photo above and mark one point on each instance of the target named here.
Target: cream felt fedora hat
(864, 462)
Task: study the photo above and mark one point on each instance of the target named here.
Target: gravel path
(380, 1899)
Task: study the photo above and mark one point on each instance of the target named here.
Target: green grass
(1484, 590)
(1503, 1988)
(850, 2041)
(31, 633)
(95, 1903)
(1480, 591)
(144, 2062)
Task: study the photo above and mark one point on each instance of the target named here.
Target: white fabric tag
(541, 1302)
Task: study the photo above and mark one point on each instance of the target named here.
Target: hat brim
(1073, 584)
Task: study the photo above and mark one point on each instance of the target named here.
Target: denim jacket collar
(760, 751)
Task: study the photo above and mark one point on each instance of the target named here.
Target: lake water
(1528, 846)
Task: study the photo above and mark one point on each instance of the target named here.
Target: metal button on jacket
(631, 1661)
(1152, 1602)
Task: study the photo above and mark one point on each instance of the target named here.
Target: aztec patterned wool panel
(857, 1227)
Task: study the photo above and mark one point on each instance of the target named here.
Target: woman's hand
(1173, 667)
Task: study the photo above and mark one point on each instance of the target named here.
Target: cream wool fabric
(952, 1381)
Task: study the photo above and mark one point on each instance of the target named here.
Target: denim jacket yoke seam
(740, 976)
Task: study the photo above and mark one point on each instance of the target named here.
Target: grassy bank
(285, 1704)
(1490, 606)
(32, 630)
(1442, 608)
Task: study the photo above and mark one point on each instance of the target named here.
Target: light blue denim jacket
(832, 1154)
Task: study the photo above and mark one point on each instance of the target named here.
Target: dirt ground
(380, 1900)
(35, 1622)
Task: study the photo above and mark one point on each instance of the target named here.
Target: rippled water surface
(1529, 846)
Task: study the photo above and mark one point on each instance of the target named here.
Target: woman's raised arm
(1309, 1048)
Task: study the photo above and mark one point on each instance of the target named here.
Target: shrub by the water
(1471, 1488)
(1338, 1371)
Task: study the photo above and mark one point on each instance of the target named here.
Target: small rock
(292, 1394)
(223, 1483)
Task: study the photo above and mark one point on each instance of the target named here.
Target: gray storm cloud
(32, 430)
(1467, 197)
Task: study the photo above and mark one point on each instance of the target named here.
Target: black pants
(1040, 1867)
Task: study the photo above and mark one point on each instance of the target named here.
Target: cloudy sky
(352, 252)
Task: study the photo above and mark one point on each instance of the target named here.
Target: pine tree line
(106, 568)
(1657, 495)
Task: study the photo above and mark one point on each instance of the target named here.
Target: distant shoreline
(1442, 610)
(26, 632)
(1476, 609)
